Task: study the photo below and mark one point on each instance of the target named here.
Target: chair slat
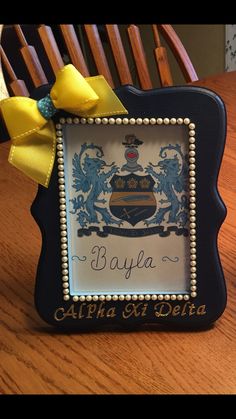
(156, 36)
(163, 66)
(119, 54)
(33, 65)
(20, 35)
(31, 60)
(98, 52)
(11, 73)
(162, 60)
(179, 52)
(17, 86)
(51, 48)
(74, 49)
(3, 88)
(139, 57)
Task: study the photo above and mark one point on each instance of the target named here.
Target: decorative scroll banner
(127, 232)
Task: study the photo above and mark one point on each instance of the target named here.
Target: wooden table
(34, 359)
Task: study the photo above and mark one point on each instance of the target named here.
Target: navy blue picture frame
(207, 111)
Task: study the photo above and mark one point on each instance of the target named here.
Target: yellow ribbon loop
(33, 136)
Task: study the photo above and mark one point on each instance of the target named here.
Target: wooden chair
(93, 49)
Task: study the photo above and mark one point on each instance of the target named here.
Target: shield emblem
(132, 198)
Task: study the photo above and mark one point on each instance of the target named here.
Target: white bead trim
(192, 208)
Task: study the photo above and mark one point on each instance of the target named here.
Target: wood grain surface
(34, 358)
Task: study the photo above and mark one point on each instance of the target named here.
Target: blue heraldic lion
(90, 177)
(170, 180)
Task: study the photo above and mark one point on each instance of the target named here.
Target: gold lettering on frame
(176, 310)
(71, 312)
(189, 309)
(144, 309)
(162, 309)
(80, 314)
(59, 314)
(192, 309)
(91, 310)
(184, 309)
(134, 310)
(111, 312)
(201, 310)
(128, 311)
(99, 310)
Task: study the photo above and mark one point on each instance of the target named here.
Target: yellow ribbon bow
(33, 135)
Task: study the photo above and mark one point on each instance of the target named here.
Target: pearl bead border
(192, 207)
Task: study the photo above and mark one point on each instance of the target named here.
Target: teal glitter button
(46, 107)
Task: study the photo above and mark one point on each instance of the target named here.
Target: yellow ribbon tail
(33, 138)
(35, 154)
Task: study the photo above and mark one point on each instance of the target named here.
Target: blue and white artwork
(127, 194)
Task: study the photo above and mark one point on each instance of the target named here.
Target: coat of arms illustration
(130, 200)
